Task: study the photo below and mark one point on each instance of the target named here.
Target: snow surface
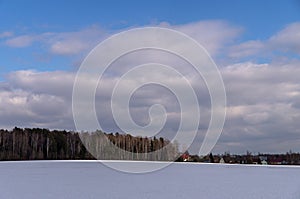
(91, 179)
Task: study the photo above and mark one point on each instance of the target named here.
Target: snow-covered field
(89, 179)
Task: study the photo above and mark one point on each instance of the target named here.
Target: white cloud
(62, 43)
(27, 106)
(20, 41)
(6, 34)
(246, 49)
(54, 83)
(213, 35)
(263, 99)
(69, 43)
(262, 104)
(67, 47)
(286, 40)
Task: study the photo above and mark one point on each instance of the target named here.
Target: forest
(44, 144)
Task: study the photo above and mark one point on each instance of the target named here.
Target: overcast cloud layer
(261, 78)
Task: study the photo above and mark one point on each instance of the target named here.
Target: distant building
(222, 161)
(263, 158)
(263, 162)
(185, 157)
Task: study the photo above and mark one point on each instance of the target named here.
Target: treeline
(289, 158)
(43, 144)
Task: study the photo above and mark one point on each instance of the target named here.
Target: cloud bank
(263, 98)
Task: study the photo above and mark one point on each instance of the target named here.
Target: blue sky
(258, 19)
(256, 45)
(254, 15)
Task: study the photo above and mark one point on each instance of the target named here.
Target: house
(275, 160)
(185, 157)
(222, 161)
(264, 162)
(263, 158)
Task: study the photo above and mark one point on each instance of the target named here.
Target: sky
(255, 44)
